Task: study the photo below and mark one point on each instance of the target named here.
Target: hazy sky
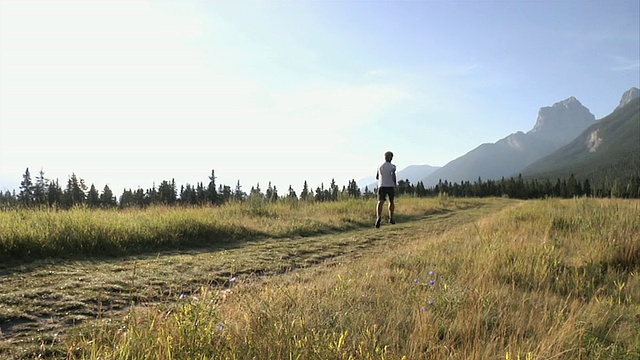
(128, 93)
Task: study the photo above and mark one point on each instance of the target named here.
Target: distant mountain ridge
(609, 149)
(555, 126)
(415, 173)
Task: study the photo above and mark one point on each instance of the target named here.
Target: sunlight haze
(131, 93)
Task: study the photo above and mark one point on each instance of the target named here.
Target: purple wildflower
(182, 296)
(416, 280)
(432, 282)
(221, 327)
(431, 273)
(233, 279)
(424, 308)
(431, 302)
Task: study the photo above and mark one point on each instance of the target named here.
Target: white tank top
(385, 175)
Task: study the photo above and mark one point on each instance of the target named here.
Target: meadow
(455, 278)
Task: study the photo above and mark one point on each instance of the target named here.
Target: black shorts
(386, 190)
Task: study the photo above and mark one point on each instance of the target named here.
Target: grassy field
(455, 278)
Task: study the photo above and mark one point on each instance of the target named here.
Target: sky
(129, 93)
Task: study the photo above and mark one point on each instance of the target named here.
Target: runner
(386, 177)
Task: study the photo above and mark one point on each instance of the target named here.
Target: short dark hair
(388, 155)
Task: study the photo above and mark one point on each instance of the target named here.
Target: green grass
(551, 279)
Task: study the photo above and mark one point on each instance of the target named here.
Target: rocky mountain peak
(628, 96)
(569, 102)
(563, 121)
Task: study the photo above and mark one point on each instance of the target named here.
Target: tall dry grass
(81, 231)
(546, 279)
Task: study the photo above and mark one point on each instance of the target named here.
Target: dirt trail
(40, 302)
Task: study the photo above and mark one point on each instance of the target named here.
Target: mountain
(628, 96)
(561, 122)
(413, 173)
(608, 149)
(555, 126)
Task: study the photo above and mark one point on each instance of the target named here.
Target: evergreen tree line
(520, 188)
(45, 192)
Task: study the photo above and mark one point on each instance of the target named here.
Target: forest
(41, 191)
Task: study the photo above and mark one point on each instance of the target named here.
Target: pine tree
(367, 193)
(141, 198)
(188, 195)
(201, 193)
(238, 194)
(74, 194)
(269, 193)
(54, 193)
(291, 193)
(420, 189)
(256, 193)
(211, 189)
(519, 189)
(403, 187)
(93, 197)
(322, 194)
(586, 187)
(355, 189)
(167, 192)
(305, 194)
(106, 198)
(557, 188)
(152, 196)
(25, 197)
(226, 194)
(547, 188)
(8, 199)
(40, 189)
(126, 199)
(573, 187)
(333, 191)
(273, 195)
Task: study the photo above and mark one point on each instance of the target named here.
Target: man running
(386, 177)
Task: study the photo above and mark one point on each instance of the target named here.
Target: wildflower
(416, 280)
(441, 276)
(432, 282)
(424, 308)
(221, 327)
(431, 273)
(182, 296)
(431, 302)
(233, 279)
